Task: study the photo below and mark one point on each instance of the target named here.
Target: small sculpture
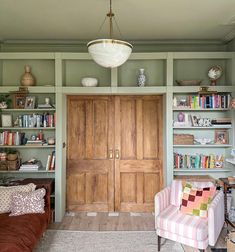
(27, 79)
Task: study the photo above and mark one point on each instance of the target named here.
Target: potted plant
(5, 101)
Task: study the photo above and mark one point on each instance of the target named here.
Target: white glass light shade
(109, 52)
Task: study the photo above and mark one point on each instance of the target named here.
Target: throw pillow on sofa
(195, 201)
(6, 195)
(28, 202)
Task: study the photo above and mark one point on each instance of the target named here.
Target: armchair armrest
(215, 218)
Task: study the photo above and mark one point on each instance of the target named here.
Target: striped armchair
(194, 231)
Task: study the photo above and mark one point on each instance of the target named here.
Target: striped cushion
(192, 227)
(176, 193)
(190, 242)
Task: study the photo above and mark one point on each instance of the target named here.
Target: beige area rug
(103, 241)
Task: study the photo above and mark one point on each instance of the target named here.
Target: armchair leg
(158, 243)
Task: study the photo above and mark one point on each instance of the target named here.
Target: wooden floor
(122, 222)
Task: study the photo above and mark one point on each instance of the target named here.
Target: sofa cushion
(176, 193)
(6, 194)
(195, 201)
(176, 222)
(28, 202)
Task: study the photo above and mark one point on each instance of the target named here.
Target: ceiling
(151, 20)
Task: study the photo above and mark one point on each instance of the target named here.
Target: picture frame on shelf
(19, 101)
(29, 102)
(194, 120)
(6, 120)
(221, 137)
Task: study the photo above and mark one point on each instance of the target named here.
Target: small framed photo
(221, 137)
(6, 120)
(19, 101)
(29, 102)
(194, 120)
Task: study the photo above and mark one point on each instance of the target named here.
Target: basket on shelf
(3, 165)
(3, 161)
(13, 161)
(182, 139)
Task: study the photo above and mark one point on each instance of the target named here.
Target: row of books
(10, 138)
(36, 120)
(198, 161)
(208, 101)
(50, 165)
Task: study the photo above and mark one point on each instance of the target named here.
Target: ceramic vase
(141, 80)
(27, 79)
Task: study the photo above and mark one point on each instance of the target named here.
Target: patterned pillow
(195, 201)
(7, 191)
(28, 202)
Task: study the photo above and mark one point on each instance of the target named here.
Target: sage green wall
(231, 46)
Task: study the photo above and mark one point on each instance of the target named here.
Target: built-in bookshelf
(202, 131)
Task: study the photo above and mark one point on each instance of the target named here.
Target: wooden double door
(114, 152)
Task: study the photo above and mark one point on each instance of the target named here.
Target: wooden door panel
(128, 150)
(128, 184)
(150, 135)
(90, 137)
(76, 188)
(138, 138)
(100, 130)
(151, 186)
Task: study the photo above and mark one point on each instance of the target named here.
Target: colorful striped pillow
(195, 201)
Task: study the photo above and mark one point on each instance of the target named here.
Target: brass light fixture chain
(110, 15)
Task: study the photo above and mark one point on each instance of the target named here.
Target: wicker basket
(3, 165)
(181, 139)
(13, 165)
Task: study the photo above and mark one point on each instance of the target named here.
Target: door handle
(110, 154)
(117, 154)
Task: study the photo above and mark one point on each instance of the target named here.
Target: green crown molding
(139, 46)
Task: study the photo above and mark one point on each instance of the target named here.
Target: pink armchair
(194, 231)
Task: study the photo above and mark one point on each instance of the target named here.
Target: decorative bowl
(89, 82)
(203, 140)
(188, 82)
(51, 140)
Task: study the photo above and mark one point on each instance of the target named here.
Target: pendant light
(109, 52)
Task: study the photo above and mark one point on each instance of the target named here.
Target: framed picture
(221, 137)
(6, 120)
(19, 101)
(194, 120)
(29, 102)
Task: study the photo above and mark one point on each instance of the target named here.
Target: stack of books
(44, 106)
(31, 165)
(221, 122)
(35, 142)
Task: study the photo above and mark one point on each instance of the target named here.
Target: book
(48, 165)
(52, 165)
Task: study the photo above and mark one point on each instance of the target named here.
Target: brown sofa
(21, 233)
